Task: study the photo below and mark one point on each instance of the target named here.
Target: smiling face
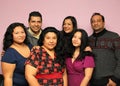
(35, 24)
(76, 39)
(50, 40)
(18, 35)
(68, 26)
(97, 23)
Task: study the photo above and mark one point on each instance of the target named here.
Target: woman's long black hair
(8, 36)
(84, 44)
(74, 23)
(58, 48)
(66, 37)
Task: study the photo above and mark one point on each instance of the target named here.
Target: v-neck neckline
(50, 57)
(72, 61)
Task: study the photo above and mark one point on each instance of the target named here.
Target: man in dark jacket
(106, 47)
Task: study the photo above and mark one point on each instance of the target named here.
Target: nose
(51, 40)
(36, 23)
(95, 22)
(76, 40)
(65, 26)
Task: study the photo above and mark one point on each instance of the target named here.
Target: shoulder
(38, 49)
(112, 34)
(10, 51)
(89, 61)
(9, 56)
(89, 57)
(30, 46)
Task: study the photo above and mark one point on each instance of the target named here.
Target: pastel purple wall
(54, 11)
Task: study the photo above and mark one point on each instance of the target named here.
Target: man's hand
(36, 47)
(111, 83)
(88, 48)
(2, 53)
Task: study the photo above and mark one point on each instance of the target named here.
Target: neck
(50, 50)
(33, 32)
(77, 49)
(76, 53)
(98, 31)
(18, 44)
(36, 33)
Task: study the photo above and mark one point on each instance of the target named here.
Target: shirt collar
(100, 33)
(33, 34)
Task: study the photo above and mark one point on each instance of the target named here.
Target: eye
(22, 32)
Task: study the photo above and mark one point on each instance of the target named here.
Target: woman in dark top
(17, 50)
(68, 27)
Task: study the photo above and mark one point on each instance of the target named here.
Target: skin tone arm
(86, 79)
(8, 70)
(65, 78)
(30, 73)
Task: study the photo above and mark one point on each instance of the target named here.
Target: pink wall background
(54, 11)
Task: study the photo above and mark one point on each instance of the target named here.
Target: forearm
(65, 78)
(88, 75)
(32, 81)
(116, 75)
(8, 82)
(85, 81)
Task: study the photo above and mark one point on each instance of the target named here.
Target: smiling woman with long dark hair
(79, 63)
(46, 64)
(17, 50)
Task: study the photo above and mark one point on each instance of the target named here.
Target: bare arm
(30, 73)
(8, 70)
(86, 79)
(65, 78)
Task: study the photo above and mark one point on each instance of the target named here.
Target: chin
(76, 45)
(51, 49)
(67, 31)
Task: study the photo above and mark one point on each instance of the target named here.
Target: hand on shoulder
(36, 47)
(88, 48)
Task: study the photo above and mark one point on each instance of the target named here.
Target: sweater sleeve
(9, 56)
(116, 75)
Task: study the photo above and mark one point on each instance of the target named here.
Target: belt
(49, 76)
